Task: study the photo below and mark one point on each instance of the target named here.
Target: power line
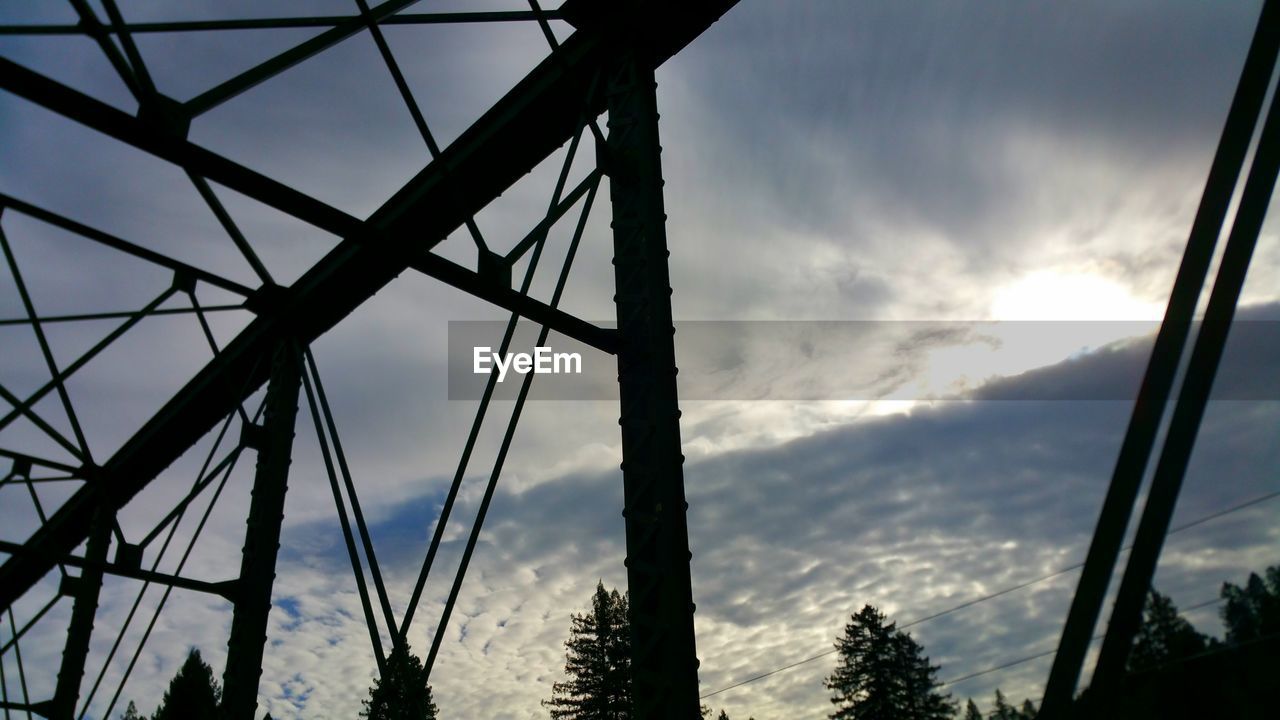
(970, 603)
(1037, 656)
(1009, 664)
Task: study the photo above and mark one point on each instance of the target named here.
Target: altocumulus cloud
(846, 160)
(914, 513)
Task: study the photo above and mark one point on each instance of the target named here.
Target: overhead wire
(1005, 591)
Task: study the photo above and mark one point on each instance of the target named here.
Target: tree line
(881, 672)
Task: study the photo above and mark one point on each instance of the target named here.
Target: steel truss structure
(606, 65)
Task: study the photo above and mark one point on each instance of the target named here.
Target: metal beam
(1189, 410)
(664, 663)
(1135, 451)
(262, 537)
(318, 21)
(87, 589)
(508, 141)
(225, 589)
(562, 322)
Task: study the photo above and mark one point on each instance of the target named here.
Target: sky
(917, 254)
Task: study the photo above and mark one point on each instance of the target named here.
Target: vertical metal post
(85, 589)
(664, 662)
(273, 441)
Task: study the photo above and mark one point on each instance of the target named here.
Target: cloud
(913, 513)
(849, 161)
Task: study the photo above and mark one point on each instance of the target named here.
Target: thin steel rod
(35, 500)
(406, 94)
(451, 497)
(22, 673)
(1189, 410)
(164, 548)
(40, 423)
(164, 598)
(155, 565)
(222, 589)
(361, 528)
(51, 464)
(474, 537)
(481, 409)
(1166, 353)
(140, 73)
(124, 246)
(90, 25)
(28, 625)
(47, 319)
(554, 214)
(321, 21)
(202, 482)
(541, 17)
(517, 302)
(61, 377)
(50, 363)
(97, 115)
(229, 225)
(371, 622)
(214, 97)
(213, 343)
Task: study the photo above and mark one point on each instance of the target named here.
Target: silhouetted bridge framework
(606, 65)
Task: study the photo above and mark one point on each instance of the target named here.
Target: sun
(1050, 295)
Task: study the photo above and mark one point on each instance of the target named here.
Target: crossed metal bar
(544, 110)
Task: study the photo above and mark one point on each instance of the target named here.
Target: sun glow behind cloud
(1053, 295)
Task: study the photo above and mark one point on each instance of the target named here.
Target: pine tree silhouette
(402, 693)
(193, 694)
(882, 674)
(598, 663)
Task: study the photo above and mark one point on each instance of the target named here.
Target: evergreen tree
(402, 693)
(971, 711)
(1165, 635)
(1029, 711)
(193, 694)
(1003, 710)
(1254, 610)
(131, 712)
(882, 674)
(598, 663)
(723, 715)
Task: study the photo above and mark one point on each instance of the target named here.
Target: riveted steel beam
(537, 116)
(664, 662)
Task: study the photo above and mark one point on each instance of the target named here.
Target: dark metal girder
(225, 588)
(262, 537)
(538, 115)
(562, 322)
(1153, 394)
(92, 113)
(1180, 439)
(88, 588)
(317, 21)
(664, 663)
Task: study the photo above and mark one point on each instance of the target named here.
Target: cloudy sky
(905, 173)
